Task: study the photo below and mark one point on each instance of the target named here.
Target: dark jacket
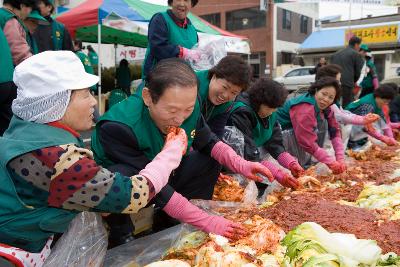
(242, 118)
(394, 108)
(121, 145)
(43, 36)
(351, 62)
(316, 68)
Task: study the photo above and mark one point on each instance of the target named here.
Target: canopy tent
(83, 20)
(88, 20)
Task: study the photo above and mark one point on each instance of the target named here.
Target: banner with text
(378, 34)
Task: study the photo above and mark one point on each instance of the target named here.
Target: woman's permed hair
(233, 69)
(17, 3)
(326, 82)
(386, 91)
(194, 2)
(330, 70)
(167, 73)
(267, 92)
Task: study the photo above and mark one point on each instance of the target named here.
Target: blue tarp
(327, 38)
(118, 7)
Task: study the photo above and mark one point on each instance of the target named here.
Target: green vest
(57, 34)
(134, 113)
(208, 110)
(116, 96)
(88, 67)
(283, 113)
(32, 43)
(176, 35)
(22, 225)
(6, 63)
(367, 99)
(260, 134)
(94, 59)
(367, 81)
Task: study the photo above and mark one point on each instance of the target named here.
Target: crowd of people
(165, 144)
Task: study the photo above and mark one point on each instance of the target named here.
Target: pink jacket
(16, 38)
(304, 123)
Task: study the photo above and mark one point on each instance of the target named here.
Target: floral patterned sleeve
(74, 181)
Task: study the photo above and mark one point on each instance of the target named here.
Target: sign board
(370, 35)
(130, 53)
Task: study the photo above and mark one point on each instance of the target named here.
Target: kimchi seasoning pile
(334, 217)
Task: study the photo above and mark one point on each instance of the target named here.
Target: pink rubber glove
(337, 144)
(289, 162)
(160, 168)
(180, 208)
(375, 82)
(322, 156)
(282, 177)
(395, 125)
(390, 141)
(387, 131)
(337, 167)
(226, 156)
(370, 118)
(190, 55)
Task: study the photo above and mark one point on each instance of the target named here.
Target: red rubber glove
(296, 169)
(288, 181)
(282, 177)
(337, 167)
(191, 55)
(177, 135)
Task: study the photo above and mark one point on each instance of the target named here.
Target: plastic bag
(235, 139)
(83, 244)
(211, 52)
(145, 250)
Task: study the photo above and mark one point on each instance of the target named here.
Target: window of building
(248, 18)
(303, 24)
(286, 19)
(214, 19)
(287, 57)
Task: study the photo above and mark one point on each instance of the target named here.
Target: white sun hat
(44, 83)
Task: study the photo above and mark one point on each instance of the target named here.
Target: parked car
(297, 78)
(398, 71)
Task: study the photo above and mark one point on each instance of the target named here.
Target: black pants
(347, 95)
(366, 91)
(195, 178)
(8, 92)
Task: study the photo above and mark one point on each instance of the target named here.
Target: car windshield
(293, 73)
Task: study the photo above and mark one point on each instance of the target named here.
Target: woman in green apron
(373, 103)
(171, 34)
(47, 174)
(253, 114)
(218, 87)
(303, 120)
(33, 20)
(132, 132)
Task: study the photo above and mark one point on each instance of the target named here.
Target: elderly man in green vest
(54, 36)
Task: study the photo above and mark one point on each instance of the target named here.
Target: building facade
(274, 33)
(381, 34)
